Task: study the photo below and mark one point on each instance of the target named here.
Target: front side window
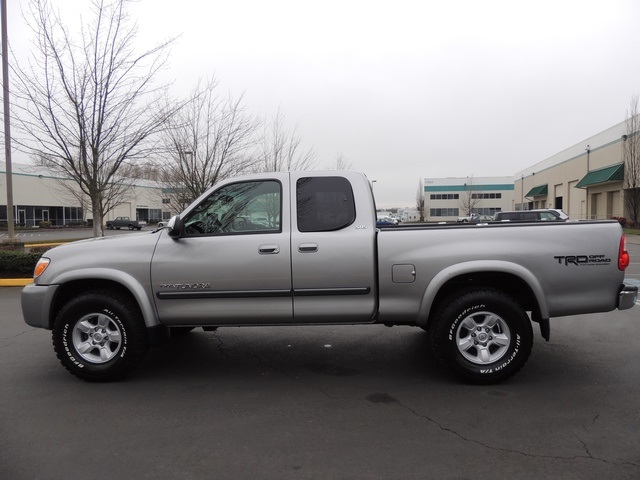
(248, 207)
(324, 204)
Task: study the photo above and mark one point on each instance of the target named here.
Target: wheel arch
(513, 279)
(100, 279)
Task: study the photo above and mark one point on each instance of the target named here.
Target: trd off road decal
(583, 260)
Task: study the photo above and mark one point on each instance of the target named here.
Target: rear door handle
(308, 247)
(268, 249)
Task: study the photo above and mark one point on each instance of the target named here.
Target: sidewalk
(635, 239)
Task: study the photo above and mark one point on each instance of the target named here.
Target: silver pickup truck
(303, 248)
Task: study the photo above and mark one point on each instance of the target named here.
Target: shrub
(41, 249)
(17, 264)
(621, 220)
(44, 224)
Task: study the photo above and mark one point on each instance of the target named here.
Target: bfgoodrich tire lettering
(481, 335)
(99, 336)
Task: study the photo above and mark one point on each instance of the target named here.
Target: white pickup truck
(302, 248)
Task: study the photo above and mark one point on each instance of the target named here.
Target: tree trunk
(97, 219)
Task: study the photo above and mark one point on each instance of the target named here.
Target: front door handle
(268, 249)
(308, 247)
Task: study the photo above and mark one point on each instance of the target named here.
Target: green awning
(614, 173)
(538, 191)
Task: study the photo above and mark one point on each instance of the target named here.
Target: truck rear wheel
(482, 336)
(98, 336)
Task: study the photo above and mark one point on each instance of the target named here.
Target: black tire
(109, 226)
(131, 227)
(482, 336)
(99, 336)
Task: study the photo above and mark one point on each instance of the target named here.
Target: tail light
(623, 255)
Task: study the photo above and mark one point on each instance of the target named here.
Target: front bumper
(36, 303)
(627, 297)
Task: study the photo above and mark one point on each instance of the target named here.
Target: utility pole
(7, 124)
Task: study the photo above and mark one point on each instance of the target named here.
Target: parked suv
(547, 215)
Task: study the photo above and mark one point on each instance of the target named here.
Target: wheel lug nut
(484, 344)
(475, 343)
(473, 334)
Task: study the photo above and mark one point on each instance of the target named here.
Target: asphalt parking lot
(360, 402)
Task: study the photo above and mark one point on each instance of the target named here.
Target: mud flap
(545, 328)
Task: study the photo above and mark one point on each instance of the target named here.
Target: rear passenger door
(333, 254)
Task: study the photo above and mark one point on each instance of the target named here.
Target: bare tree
(469, 200)
(631, 157)
(341, 163)
(281, 149)
(208, 141)
(88, 105)
(420, 199)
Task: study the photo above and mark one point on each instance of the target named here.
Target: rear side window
(324, 204)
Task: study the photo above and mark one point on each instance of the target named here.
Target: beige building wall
(562, 173)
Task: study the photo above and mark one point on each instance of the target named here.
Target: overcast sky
(409, 89)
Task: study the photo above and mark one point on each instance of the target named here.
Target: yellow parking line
(32, 245)
(15, 282)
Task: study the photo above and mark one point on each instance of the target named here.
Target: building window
(444, 196)
(486, 196)
(166, 200)
(486, 211)
(443, 212)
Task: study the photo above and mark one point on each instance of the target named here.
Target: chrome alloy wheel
(483, 338)
(97, 338)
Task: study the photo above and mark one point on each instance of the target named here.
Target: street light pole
(588, 149)
(7, 124)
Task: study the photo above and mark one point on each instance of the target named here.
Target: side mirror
(174, 227)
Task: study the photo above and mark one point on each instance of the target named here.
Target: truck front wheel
(482, 336)
(98, 336)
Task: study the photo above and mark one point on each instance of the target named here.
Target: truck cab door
(333, 251)
(231, 264)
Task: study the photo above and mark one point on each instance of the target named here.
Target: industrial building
(42, 196)
(585, 180)
(447, 199)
